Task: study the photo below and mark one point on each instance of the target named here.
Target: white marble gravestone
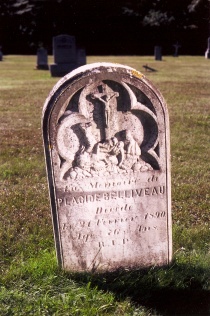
(107, 149)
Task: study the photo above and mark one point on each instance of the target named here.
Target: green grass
(30, 281)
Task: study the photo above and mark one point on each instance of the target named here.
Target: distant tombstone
(176, 52)
(158, 53)
(81, 57)
(107, 149)
(42, 59)
(1, 54)
(65, 55)
(207, 53)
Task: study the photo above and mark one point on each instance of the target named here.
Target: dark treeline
(106, 27)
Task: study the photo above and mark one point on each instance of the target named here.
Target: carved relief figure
(110, 148)
(105, 99)
(90, 139)
(133, 148)
(93, 156)
(132, 155)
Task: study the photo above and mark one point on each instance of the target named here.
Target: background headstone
(81, 57)
(107, 149)
(158, 53)
(42, 59)
(1, 54)
(65, 55)
(207, 53)
(176, 51)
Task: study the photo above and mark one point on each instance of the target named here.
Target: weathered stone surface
(106, 139)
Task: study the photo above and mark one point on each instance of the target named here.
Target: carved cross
(105, 98)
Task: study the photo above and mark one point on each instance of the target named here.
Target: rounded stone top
(96, 68)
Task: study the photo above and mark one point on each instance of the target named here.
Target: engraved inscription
(144, 229)
(155, 215)
(107, 210)
(83, 231)
(107, 152)
(79, 198)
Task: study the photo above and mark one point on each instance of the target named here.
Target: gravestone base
(207, 54)
(42, 67)
(60, 70)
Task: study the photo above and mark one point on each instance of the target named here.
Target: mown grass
(30, 281)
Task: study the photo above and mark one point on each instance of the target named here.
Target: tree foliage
(119, 27)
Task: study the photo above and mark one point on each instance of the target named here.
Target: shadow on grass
(178, 290)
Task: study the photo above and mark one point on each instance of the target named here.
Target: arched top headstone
(107, 148)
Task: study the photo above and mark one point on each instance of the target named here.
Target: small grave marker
(1, 54)
(81, 57)
(176, 47)
(42, 59)
(107, 149)
(158, 53)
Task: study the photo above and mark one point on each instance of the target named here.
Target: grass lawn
(30, 281)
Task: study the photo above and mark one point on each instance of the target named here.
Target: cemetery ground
(30, 281)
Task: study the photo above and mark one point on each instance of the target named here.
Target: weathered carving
(106, 137)
(108, 149)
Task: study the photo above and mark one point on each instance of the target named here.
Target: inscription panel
(64, 49)
(114, 220)
(107, 153)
